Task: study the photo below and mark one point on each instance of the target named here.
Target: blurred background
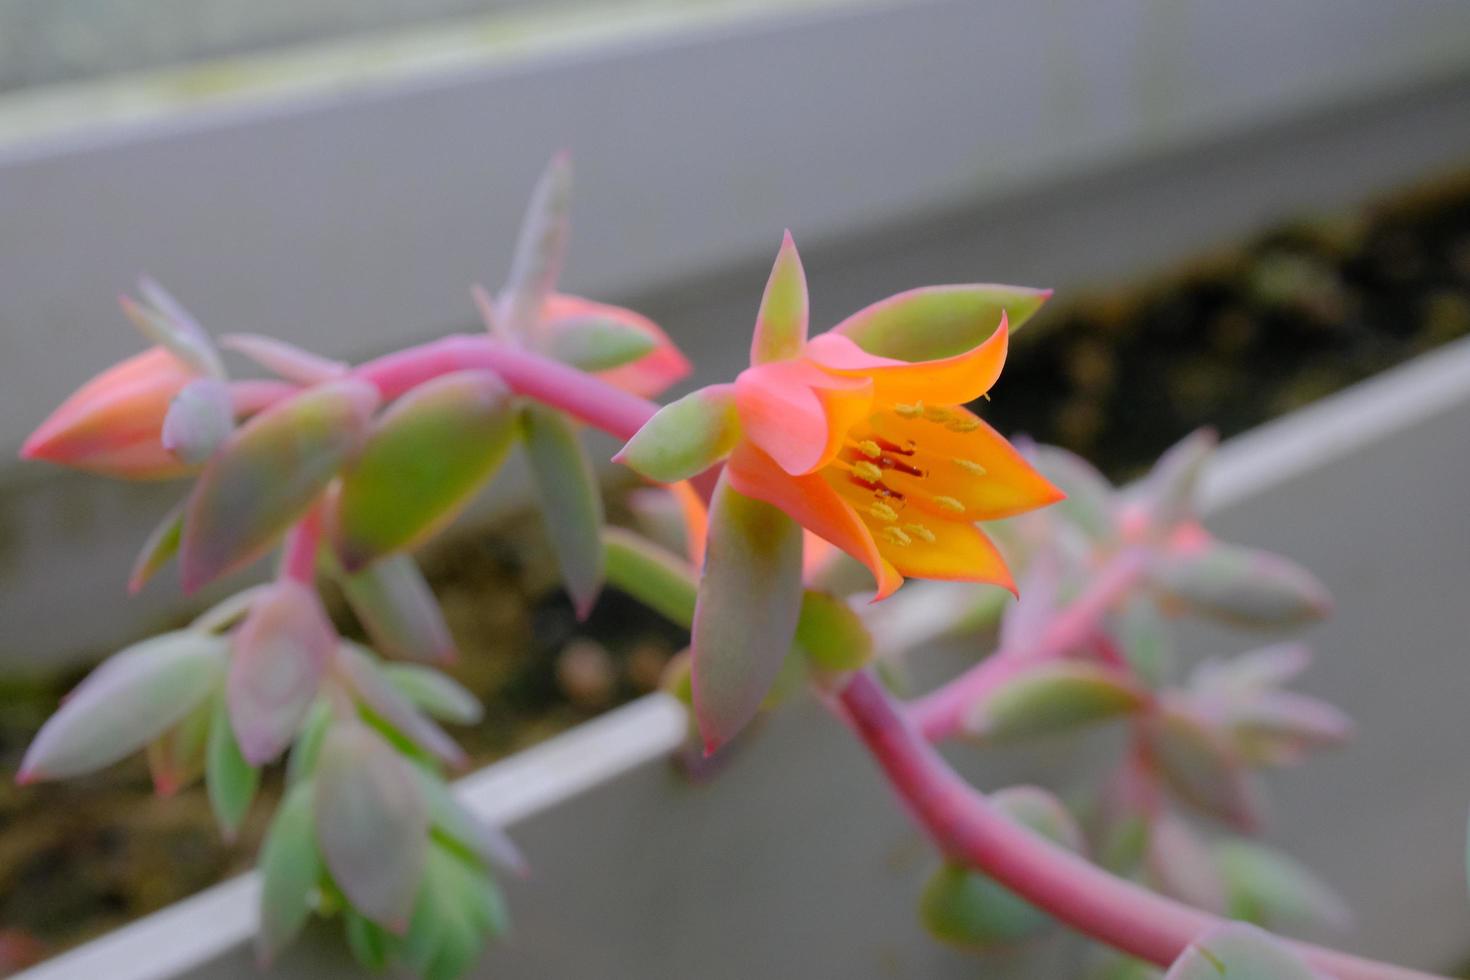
(1243, 206)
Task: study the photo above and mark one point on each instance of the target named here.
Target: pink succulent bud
(113, 424)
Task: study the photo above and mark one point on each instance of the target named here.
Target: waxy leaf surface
(1236, 951)
(231, 780)
(1051, 697)
(659, 579)
(1242, 585)
(596, 343)
(199, 420)
(685, 437)
(289, 865)
(393, 601)
(936, 322)
(781, 324)
(570, 501)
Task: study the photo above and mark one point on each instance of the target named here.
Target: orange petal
(798, 414)
(113, 424)
(979, 468)
(648, 376)
(696, 519)
(949, 381)
(812, 503)
(959, 552)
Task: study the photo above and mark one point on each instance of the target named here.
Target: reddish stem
(940, 714)
(298, 553)
(963, 824)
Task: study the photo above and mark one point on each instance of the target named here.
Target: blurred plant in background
(856, 442)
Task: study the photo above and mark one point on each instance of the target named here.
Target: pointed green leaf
(284, 359)
(230, 779)
(831, 634)
(745, 620)
(161, 546)
(1051, 697)
(781, 324)
(657, 578)
(281, 651)
(540, 249)
(1089, 503)
(199, 419)
(308, 745)
(973, 911)
(595, 343)
(372, 946)
(176, 758)
(487, 843)
(1236, 951)
(1273, 889)
(397, 608)
(425, 459)
(131, 699)
(1242, 585)
(164, 321)
(289, 865)
(939, 321)
(458, 908)
(570, 499)
(363, 676)
(372, 822)
(438, 694)
(686, 437)
(1200, 766)
(1181, 865)
(1168, 493)
(1145, 639)
(267, 474)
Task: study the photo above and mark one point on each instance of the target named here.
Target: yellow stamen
(897, 536)
(865, 470)
(910, 411)
(870, 449)
(921, 532)
(950, 504)
(936, 414)
(963, 423)
(971, 467)
(883, 512)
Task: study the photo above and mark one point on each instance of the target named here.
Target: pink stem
(963, 824)
(940, 714)
(298, 554)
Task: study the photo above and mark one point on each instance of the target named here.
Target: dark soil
(1229, 341)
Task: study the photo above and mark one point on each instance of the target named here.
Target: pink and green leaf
(936, 322)
(284, 359)
(659, 579)
(433, 692)
(781, 324)
(1237, 951)
(1052, 697)
(570, 500)
(365, 680)
(595, 343)
(540, 250)
(289, 866)
(685, 437)
(199, 419)
(1242, 585)
(231, 781)
(160, 548)
(393, 602)
(1274, 890)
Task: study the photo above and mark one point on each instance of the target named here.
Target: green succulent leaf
(1201, 766)
(935, 322)
(488, 844)
(425, 459)
(289, 866)
(659, 579)
(781, 324)
(1146, 640)
(1052, 697)
(595, 343)
(158, 550)
(540, 250)
(267, 474)
(831, 634)
(231, 780)
(176, 758)
(1168, 494)
(1237, 951)
(436, 693)
(1272, 889)
(164, 321)
(284, 359)
(457, 910)
(685, 437)
(199, 419)
(395, 605)
(746, 616)
(570, 501)
(1089, 504)
(127, 702)
(308, 745)
(366, 680)
(1242, 585)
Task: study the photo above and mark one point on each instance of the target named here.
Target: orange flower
(113, 424)
(874, 454)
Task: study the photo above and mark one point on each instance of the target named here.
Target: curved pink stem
(964, 825)
(941, 714)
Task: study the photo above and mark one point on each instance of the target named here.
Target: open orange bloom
(877, 455)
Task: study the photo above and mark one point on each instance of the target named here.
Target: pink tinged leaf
(1025, 621)
(424, 461)
(781, 324)
(685, 437)
(165, 322)
(367, 683)
(540, 249)
(1236, 951)
(1051, 697)
(289, 866)
(484, 840)
(648, 375)
(745, 619)
(1279, 727)
(936, 322)
(131, 699)
(1249, 673)
(281, 651)
(1275, 890)
(1167, 495)
(659, 516)
(199, 420)
(1202, 767)
(158, 550)
(284, 359)
(1089, 504)
(437, 694)
(570, 500)
(372, 823)
(231, 780)
(1181, 865)
(1145, 638)
(1242, 585)
(595, 343)
(267, 474)
(176, 758)
(112, 424)
(395, 605)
